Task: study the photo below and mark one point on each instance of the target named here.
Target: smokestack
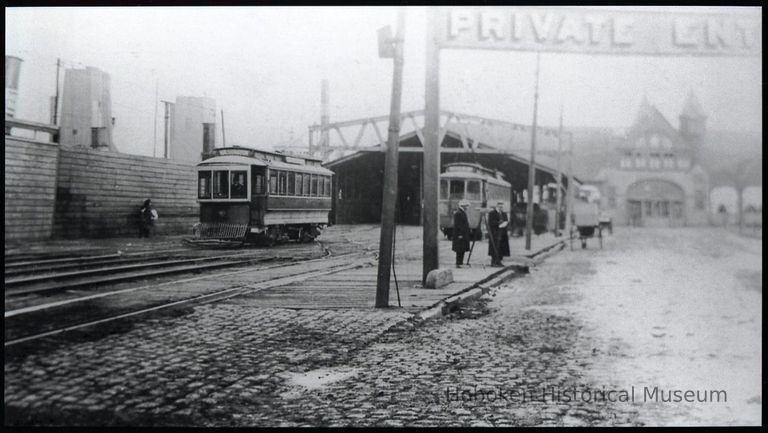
(324, 116)
(209, 138)
(12, 71)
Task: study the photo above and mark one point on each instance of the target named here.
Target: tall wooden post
(559, 196)
(389, 200)
(165, 129)
(325, 117)
(569, 191)
(223, 135)
(532, 167)
(431, 170)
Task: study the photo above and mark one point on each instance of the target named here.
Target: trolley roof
(245, 160)
(467, 170)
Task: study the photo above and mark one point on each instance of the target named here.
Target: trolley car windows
(258, 184)
(457, 189)
(282, 176)
(305, 190)
(327, 187)
(473, 190)
(291, 183)
(299, 189)
(204, 184)
(273, 182)
(239, 190)
(220, 184)
(314, 185)
(443, 189)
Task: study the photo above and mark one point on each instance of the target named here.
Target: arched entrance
(655, 203)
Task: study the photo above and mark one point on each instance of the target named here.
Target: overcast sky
(264, 66)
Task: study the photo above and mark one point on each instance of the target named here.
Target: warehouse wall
(30, 188)
(99, 194)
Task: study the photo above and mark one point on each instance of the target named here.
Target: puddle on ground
(315, 379)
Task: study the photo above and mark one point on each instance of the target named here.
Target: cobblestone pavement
(238, 364)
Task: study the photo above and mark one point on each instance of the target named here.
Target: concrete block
(439, 278)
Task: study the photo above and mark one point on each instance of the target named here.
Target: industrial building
(359, 176)
(192, 128)
(86, 109)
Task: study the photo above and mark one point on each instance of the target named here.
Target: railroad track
(60, 274)
(29, 323)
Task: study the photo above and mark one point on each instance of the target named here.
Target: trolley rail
(32, 323)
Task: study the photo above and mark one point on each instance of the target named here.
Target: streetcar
(255, 196)
(476, 184)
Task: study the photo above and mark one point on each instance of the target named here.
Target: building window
(626, 160)
(665, 209)
(669, 160)
(648, 208)
(654, 142)
(639, 160)
(655, 161)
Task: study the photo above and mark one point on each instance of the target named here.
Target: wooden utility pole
(559, 196)
(431, 168)
(569, 189)
(167, 116)
(223, 135)
(390, 169)
(532, 167)
(325, 116)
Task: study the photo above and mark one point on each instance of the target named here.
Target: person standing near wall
(147, 218)
(461, 232)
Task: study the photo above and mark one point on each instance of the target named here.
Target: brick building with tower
(659, 180)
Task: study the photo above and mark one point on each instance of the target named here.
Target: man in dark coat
(498, 239)
(461, 232)
(147, 216)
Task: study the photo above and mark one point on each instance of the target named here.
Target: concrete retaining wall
(30, 188)
(99, 194)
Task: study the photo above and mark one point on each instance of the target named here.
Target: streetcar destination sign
(600, 31)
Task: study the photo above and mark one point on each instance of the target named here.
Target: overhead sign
(600, 31)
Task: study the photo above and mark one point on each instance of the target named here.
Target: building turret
(693, 121)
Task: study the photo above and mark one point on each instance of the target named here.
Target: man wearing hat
(461, 232)
(498, 239)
